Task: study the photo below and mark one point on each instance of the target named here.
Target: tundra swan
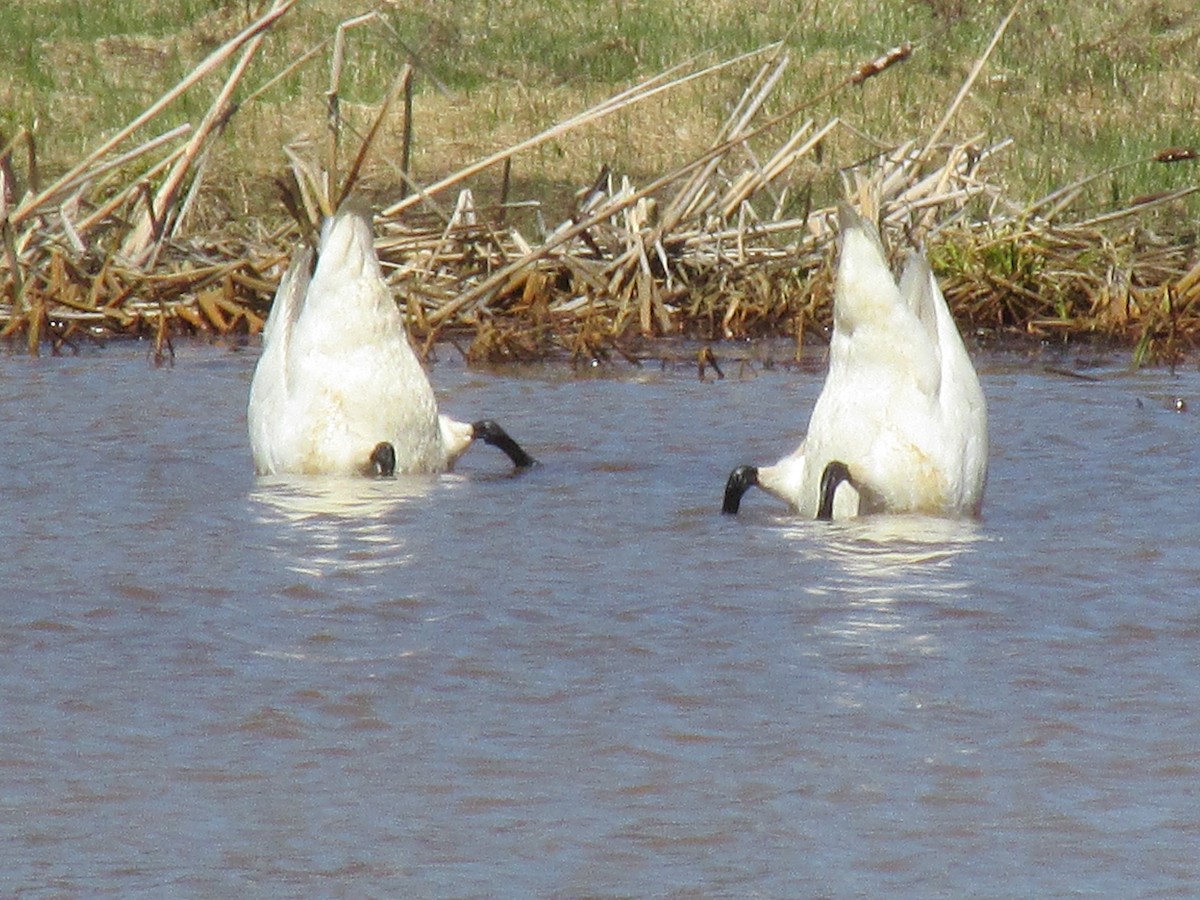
(900, 425)
(338, 389)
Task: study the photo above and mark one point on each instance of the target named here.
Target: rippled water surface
(584, 681)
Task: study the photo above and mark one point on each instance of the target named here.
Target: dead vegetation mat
(731, 244)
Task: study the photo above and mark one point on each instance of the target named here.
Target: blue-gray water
(584, 681)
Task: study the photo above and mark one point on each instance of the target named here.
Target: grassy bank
(1085, 96)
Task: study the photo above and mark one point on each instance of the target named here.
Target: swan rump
(338, 389)
(901, 424)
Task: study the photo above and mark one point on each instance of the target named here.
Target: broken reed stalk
(651, 87)
(8, 178)
(402, 84)
(965, 89)
(1138, 206)
(560, 238)
(712, 265)
(333, 99)
(82, 170)
(142, 244)
(736, 125)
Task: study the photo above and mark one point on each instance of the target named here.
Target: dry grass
(721, 229)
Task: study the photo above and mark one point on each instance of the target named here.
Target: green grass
(77, 69)
(1080, 86)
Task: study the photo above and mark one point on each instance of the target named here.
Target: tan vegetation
(709, 218)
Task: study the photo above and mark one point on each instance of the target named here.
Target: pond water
(584, 681)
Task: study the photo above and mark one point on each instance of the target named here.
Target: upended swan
(900, 425)
(338, 389)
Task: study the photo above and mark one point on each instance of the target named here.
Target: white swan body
(338, 378)
(901, 408)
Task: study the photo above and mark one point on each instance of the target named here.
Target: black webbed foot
(382, 463)
(740, 480)
(492, 434)
(835, 473)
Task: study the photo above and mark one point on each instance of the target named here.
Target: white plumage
(338, 389)
(901, 410)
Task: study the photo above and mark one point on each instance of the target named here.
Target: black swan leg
(493, 435)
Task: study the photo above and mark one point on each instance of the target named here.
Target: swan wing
(917, 287)
(289, 300)
(957, 428)
(878, 335)
(963, 408)
(267, 411)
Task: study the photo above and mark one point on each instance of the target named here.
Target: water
(583, 681)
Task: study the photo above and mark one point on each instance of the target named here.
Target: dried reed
(728, 245)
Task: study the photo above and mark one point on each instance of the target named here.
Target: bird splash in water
(900, 425)
(338, 389)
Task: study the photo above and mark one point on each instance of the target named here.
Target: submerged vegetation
(560, 178)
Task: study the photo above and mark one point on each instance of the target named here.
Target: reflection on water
(895, 547)
(879, 592)
(354, 501)
(584, 681)
(336, 524)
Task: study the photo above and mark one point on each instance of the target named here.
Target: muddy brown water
(584, 681)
